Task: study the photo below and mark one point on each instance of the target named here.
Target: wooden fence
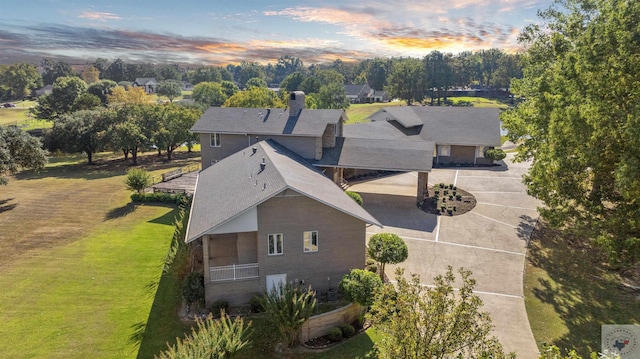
(319, 325)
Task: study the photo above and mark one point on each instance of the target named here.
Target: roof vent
(254, 150)
(263, 164)
(264, 186)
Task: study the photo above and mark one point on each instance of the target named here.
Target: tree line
(437, 70)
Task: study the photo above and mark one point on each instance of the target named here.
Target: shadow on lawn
(582, 291)
(105, 167)
(6, 206)
(119, 212)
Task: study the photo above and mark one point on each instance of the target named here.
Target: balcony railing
(233, 272)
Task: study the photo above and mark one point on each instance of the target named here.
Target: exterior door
(275, 281)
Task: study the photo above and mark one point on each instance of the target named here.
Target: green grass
(480, 102)
(569, 294)
(19, 116)
(80, 267)
(361, 111)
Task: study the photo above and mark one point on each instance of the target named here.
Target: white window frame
(272, 243)
(215, 139)
(444, 150)
(308, 239)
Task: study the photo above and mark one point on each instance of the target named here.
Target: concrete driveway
(491, 240)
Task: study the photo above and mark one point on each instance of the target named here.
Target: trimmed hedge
(159, 198)
(355, 196)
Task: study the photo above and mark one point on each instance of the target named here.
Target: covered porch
(230, 257)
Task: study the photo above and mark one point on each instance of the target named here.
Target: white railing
(233, 272)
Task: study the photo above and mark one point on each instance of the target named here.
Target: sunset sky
(214, 32)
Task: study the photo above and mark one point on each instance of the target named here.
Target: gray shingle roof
(389, 154)
(144, 80)
(236, 184)
(443, 125)
(262, 121)
(354, 90)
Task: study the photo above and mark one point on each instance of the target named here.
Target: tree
(287, 65)
(132, 95)
(171, 89)
(293, 82)
(438, 75)
(289, 308)
(19, 150)
(90, 74)
(64, 92)
(376, 73)
(213, 339)
(116, 71)
(256, 82)
(387, 248)
(256, 97)
(102, 89)
(52, 70)
(579, 122)
(137, 180)
(433, 322)
(249, 70)
(360, 286)
(209, 94)
(81, 131)
(332, 96)
(86, 101)
(19, 80)
(310, 84)
(406, 80)
(229, 88)
(174, 125)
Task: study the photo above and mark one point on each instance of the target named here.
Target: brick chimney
(296, 103)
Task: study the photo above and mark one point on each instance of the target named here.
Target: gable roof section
(264, 121)
(145, 81)
(354, 90)
(383, 154)
(236, 184)
(464, 126)
(405, 115)
(460, 125)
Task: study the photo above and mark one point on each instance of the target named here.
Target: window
(276, 244)
(444, 150)
(310, 241)
(215, 140)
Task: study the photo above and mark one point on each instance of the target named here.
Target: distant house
(266, 216)
(365, 94)
(186, 85)
(43, 91)
(149, 84)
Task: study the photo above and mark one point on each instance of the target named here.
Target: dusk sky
(212, 32)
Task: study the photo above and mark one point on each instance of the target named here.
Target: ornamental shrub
(355, 196)
(494, 154)
(335, 334)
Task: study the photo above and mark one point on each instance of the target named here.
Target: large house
(265, 216)
(267, 208)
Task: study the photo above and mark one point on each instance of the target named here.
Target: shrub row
(179, 199)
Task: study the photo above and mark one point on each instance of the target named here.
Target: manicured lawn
(569, 294)
(480, 102)
(79, 266)
(18, 116)
(359, 112)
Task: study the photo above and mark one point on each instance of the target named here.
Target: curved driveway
(491, 240)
